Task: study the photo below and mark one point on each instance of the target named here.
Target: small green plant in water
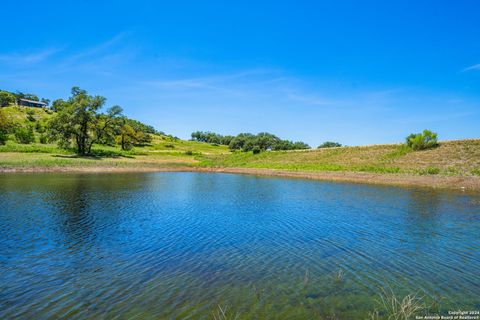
(340, 275)
(223, 314)
(393, 307)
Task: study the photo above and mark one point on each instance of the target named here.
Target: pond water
(181, 245)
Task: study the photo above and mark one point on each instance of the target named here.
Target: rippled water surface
(178, 245)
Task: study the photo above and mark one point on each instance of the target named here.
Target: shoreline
(459, 183)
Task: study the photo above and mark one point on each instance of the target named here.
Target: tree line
(249, 142)
(79, 123)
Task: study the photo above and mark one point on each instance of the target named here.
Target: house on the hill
(31, 103)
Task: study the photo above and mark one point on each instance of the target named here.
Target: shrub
(170, 146)
(39, 127)
(3, 137)
(24, 136)
(329, 144)
(256, 150)
(429, 170)
(421, 141)
(43, 138)
(30, 115)
(476, 172)
(189, 153)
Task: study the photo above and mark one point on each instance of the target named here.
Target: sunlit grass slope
(451, 158)
(460, 157)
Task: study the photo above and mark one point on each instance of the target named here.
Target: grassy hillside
(164, 151)
(451, 158)
(460, 157)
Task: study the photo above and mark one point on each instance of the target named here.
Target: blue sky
(356, 72)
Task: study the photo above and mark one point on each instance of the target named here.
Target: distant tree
(329, 144)
(76, 120)
(56, 104)
(226, 140)
(299, 145)
(421, 141)
(240, 142)
(6, 98)
(46, 101)
(28, 96)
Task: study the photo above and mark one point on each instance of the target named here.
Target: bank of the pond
(464, 183)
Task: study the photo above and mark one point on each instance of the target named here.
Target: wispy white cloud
(312, 99)
(471, 68)
(96, 50)
(270, 87)
(207, 82)
(28, 58)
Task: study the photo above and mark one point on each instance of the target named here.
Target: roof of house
(33, 101)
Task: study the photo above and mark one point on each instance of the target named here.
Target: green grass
(450, 158)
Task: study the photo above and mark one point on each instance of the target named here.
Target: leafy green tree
(24, 135)
(28, 96)
(6, 98)
(240, 141)
(76, 120)
(46, 101)
(105, 127)
(329, 144)
(127, 137)
(299, 145)
(5, 126)
(56, 104)
(421, 141)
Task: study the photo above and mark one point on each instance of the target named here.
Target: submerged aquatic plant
(396, 308)
(223, 314)
(340, 275)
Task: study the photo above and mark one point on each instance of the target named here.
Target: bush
(429, 170)
(43, 138)
(24, 136)
(256, 150)
(30, 115)
(329, 144)
(421, 141)
(39, 127)
(3, 137)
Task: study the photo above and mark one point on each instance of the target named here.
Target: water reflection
(175, 245)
